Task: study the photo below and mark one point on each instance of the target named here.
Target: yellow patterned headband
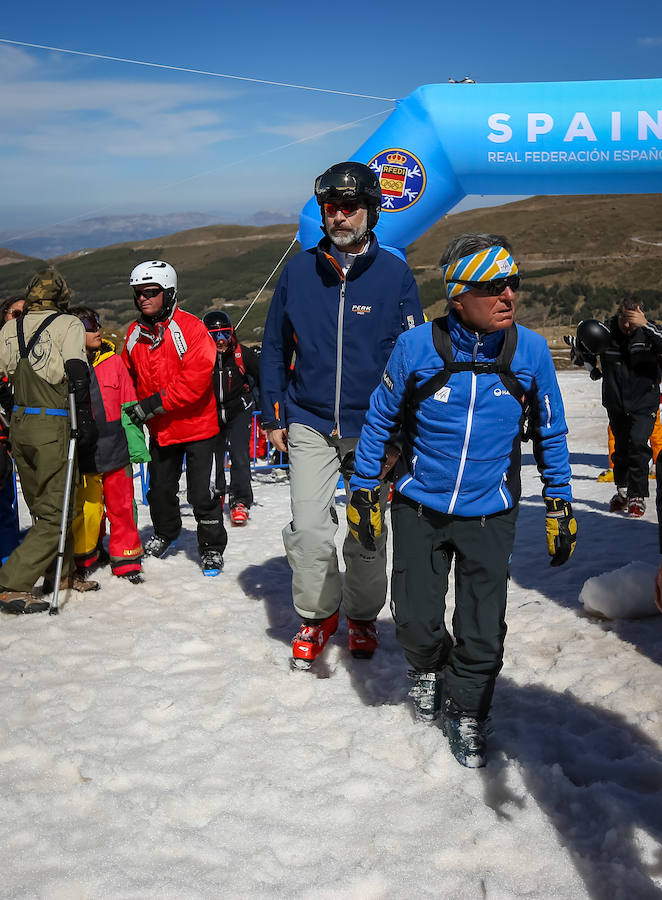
(486, 265)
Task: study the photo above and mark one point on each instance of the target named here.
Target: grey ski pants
(317, 589)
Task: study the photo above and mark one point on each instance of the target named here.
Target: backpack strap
(442, 343)
(23, 348)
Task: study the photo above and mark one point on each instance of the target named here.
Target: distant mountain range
(89, 234)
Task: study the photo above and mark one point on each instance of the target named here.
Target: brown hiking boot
(71, 582)
(19, 602)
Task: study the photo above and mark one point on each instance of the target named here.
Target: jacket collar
(360, 264)
(472, 343)
(107, 349)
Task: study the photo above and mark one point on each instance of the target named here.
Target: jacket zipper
(501, 491)
(548, 407)
(341, 317)
(467, 433)
(465, 446)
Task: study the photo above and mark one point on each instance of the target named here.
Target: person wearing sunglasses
(236, 372)
(334, 318)
(458, 389)
(105, 489)
(170, 357)
(43, 354)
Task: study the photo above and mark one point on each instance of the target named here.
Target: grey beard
(347, 238)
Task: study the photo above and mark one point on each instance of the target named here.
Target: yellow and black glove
(364, 517)
(561, 527)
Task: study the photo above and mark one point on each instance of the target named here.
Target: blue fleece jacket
(465, 453)
(339, 332)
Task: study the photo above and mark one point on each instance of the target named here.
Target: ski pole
(54, 609)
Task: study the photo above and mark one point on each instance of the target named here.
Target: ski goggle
(338, 183)
(148, 293)
(221, 334)
(348, 208)
(490, 288)
(92, 323)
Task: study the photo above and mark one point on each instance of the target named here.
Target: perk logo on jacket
(360, 309)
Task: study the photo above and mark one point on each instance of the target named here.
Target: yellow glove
(364, 517)
(561, 527)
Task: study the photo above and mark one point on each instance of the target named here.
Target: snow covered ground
(155, 744)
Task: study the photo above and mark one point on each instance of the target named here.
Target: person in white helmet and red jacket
(236, 371)
(170, 357)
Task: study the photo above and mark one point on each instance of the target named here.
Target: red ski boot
(363, 639)
(239, 514)
(311, 640)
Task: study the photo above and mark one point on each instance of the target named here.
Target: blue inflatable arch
(444, 141)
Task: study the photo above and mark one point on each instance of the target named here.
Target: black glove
(576, 357)
(6, 466)
(6, 398)
(364, 517)
(143, 410)
(87, 435)
(561, 527)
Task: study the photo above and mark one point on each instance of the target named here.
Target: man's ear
(456, 303)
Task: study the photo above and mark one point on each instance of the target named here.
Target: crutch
(54, 609)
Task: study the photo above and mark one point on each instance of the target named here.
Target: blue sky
(87, 137)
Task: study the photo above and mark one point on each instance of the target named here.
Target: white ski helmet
(157, 272)
(154, 272)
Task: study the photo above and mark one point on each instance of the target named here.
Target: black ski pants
(424, 545)
(632, 452)
(165, 470)
(236, 433)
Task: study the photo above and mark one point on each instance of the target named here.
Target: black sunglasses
(147, 293)
(91, 323)
(492, 288)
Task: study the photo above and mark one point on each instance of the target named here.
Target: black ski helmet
(350, 181)
(216, 319)
(593, 336)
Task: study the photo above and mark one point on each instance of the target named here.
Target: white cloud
(650, 41)
(116, 118)
(132, 99)
(14, 62)
(301, 130)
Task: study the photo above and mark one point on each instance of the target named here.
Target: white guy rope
(152, 65)
(255, 299)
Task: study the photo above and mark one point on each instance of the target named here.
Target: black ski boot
(425, 694)
(211, 562)
(156, 546)
(467, 735)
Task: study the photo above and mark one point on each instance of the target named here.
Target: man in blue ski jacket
(454, 397)
(333, 322)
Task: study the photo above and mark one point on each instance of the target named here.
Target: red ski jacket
(110, 387)
(179, 368)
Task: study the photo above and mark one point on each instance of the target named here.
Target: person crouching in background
(106, 472)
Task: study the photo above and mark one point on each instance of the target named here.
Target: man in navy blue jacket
(456, 392)
(333, 322)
